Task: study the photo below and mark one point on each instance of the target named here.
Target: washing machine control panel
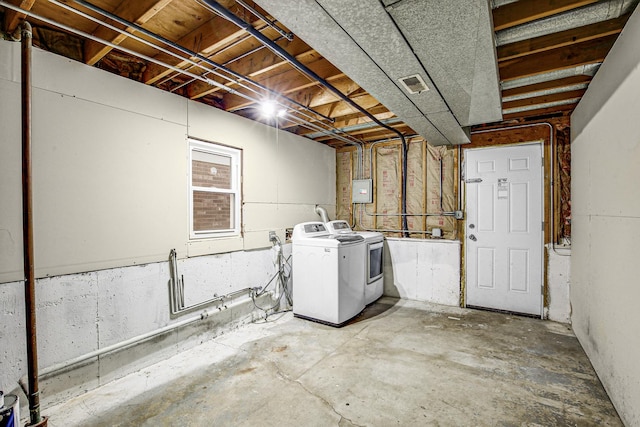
(314, 228)
(339, 226)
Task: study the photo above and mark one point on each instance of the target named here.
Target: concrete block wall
(80, 313)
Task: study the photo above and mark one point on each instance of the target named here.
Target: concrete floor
(399, 363)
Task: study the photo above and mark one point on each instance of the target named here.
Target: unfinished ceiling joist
(547, 53)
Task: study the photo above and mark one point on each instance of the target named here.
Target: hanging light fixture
(270, 109)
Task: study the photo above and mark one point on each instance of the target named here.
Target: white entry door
(504, 237)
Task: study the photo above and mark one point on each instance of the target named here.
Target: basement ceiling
(338, 77)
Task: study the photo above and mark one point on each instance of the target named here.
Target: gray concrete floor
(399, 363)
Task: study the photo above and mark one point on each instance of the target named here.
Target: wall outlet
(458, 215)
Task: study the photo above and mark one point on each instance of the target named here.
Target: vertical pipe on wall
(27, 230)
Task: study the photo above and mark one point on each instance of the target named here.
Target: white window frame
(235, 155)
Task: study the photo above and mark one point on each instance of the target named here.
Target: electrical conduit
(227, 14)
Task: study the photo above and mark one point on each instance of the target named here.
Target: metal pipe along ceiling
(225, 13)
(349, 140)
(300, 121)
(190, 53)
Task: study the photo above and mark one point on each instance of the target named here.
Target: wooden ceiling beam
(338, 110)
(255, 65)
(561, 39)
(554, 97)
(372, 132)
(560, 109)
(319, 95)
(210, 37)
(385, 133)
(138, 12)
(264, 60)
(379, 111)
(524, 11)
(588, 52)
(13, 18)
(284, 83)
(551, 84)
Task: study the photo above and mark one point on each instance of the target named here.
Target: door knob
(472, 226)
(472, 237)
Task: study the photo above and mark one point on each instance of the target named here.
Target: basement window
(214, 190)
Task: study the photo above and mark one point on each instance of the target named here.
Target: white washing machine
(328, 276)
(373, 258)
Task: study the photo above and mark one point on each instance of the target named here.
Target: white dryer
(373, 258)
(328, 276)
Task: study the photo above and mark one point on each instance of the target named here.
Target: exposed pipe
(300, 121)
(176, 291)
(27, 231)
(323, 213)
(360, 126)
(450, 213)
(441, 182)
(131, 341)
(403, 215)
(272, 24)
(334, 132)
(227, 14)
(182, 49)
(118, 346)
(121, 48)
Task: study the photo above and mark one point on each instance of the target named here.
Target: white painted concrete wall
(423, 270)
(558, 284)
(605, 152)
(110, 170)
(80, 313)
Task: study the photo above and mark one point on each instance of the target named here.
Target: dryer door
(374, 261)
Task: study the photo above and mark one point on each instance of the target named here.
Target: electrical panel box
(362, 191)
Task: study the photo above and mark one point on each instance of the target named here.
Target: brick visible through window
(205, 174)
(215, 190)
(211, 211)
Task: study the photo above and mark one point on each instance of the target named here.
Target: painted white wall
(423, 270)
(558, 284)
(110, 170)
(605, 152)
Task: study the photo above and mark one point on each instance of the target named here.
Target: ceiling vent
(414, 84)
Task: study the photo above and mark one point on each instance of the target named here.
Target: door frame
(545, 193)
